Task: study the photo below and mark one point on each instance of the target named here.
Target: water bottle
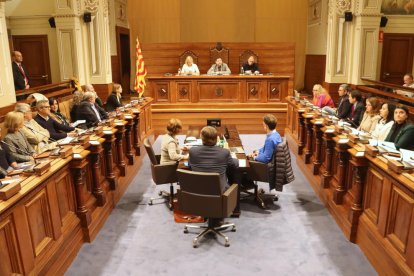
(241, 71)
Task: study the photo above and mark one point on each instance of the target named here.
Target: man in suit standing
(19, 73)
(210, 158)
(89, 111)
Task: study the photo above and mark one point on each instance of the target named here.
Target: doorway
(124, 57)
(397, 57)
(35, 51)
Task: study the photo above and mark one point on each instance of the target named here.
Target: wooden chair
(245, 56)
(184, 55)
(200, 194)
(219, 52)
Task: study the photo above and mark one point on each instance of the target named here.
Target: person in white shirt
(408, 82)
(189, 67)
(384, 125)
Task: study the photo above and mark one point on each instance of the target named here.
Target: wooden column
(360, 165)
(329, 145)
(78, 166)
(343, 156)
(128, 138)
(109, 136)
(135, 133)
(96, 150)
(120, 134)
(309, 137)
(317, 130)
(302, 131)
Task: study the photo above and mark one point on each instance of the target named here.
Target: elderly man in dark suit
(210, 158)
(89, 111)
(21, 80)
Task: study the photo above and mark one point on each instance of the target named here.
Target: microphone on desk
(226, 133)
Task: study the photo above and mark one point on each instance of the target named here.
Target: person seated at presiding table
(56, 130)
(35, 134)
(89, 111)
(211, 158)
(219, 68)
(7, 160)
(114, 100)
(19, 147)
(371, 115)
(170, 149)
(273, 138)
(344, 107)
(90, 88)
(408, 82)
(386, 122)
(251, 66)
(77, 98)
(56, 114)
(189, 67)
(357, 108)
(402, 132)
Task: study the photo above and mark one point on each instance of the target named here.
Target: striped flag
(140, 71)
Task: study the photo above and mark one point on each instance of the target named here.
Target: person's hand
(185, 157)
(184, 149)
(27, 87)
(256, 72)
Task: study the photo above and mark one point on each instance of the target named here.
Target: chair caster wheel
(195, 244)
(263, 205)
(160, 193)
(185, 231)
(261, 191)
(227, 243)
(150, 202)
(276, 198)
(233, 229)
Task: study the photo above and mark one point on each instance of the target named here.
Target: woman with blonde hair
(19, 147)
(316, 91)
(114, 100)
(170, 149)
(323, 98)
(35, 134)
(77, 98)
(371, 115)
(189, 67)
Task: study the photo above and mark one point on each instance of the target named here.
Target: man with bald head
(90, 88)
(21, 80)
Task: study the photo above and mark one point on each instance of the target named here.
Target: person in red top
(21, 80)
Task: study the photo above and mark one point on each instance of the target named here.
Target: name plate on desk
(371, 150)
(84, 141)
(9, 187)
(98, 130)
(353, 138)
(65, 151)
(398, 167)
(41, 168)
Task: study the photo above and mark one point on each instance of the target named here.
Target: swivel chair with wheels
(200, 194)
(162, 174)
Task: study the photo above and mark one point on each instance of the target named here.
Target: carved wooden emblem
(162, 92)
(219, 91)
(183, 91)
(254, 91)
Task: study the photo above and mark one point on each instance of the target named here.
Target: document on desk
(242, 163)
(407, 158)
(66, 140)
(192, 143)
(237, 149)
(78, 122)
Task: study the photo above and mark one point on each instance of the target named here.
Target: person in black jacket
(344, 106)
(57, 131)
(114, 100)
(21, 80)
(357, 108)
(402, 132)
(89, 111)
(6, 159)
(251, 67)
(90, 88)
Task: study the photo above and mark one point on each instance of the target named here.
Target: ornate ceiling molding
(91, 5)
(342, 6)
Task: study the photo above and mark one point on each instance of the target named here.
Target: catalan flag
(140, 71)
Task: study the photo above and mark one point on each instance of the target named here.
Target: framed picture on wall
(314, 12)
(400, 7)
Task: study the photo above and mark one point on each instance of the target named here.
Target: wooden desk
(373, 206)
(43, 226)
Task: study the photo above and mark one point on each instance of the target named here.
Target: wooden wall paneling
(314, 71)
(116, 74)
(40, 222)
(373, 192)
(11, 262)
(400, 221)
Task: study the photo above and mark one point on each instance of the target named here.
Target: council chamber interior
(94, 92)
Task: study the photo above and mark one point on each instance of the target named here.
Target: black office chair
(162, 174)
(200, 194)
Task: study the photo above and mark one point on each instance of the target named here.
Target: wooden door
(35, 51)
(124, 57)
(397, 57)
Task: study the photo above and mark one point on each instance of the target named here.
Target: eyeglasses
(48, 107)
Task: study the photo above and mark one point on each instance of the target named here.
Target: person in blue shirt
(265, 154)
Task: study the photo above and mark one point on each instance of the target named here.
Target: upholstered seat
(200, 194)
(162, 174)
